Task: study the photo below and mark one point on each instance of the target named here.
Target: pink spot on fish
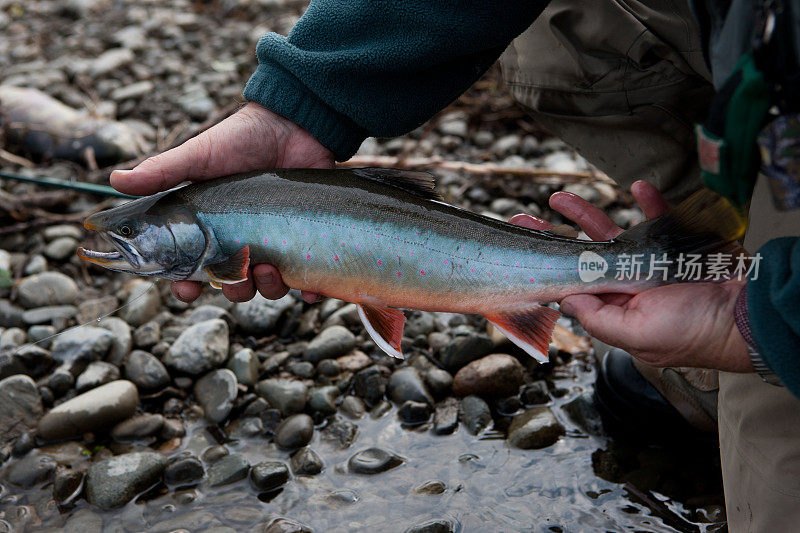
(304, 232)
(323, 235)
(422, 272)
(358, 246)
(335, 257)
(284, 243)
(516, 264)
(559, 276)
(411, 252)
(548, 266)
(399, 274)
(489, 274)
(237, 241)
(266, 240)
(308, 256)
(446, 262)
(380, 262)
(247, 224)
(497, 262)
(230, 224)
(472, 270)
(506, 276)
(532, 280)
(342, 244)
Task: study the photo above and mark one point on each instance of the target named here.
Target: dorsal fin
(419, 183)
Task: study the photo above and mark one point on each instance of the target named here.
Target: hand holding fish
(689, 324)
(253, 138)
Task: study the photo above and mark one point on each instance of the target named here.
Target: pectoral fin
(232, 270)
(530, 329)
(385, 326)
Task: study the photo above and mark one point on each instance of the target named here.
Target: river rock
(352, 406)
(331, 343)
(10, 315)
(183, 471)
(11, 338)
(67, 485)
(370, 385)
(414, 413)
(50, 313)
(116, 481)
(286, 395)
(61, 248)
(306, 462)
(123, 340)
(199, 348)
(21, 407)
(147, 335)
(110, 61)
(405, 384)
(208, 312)
(228, 469)
(493, 376)
(373, 461)
(244, 364)
(96, 374)
(285, 525)
(45, 289)
(535, 393)
(535, 428)
(146, 371)
(439, 382)
(445, 418)
(138, 427)
(143, 303)
(82, 345)
(30, 471)
(475, 414)
(93, 410)
(294, 432)
(323, 399)
(269, 475)
(216, 392)
(465, 349)
(259, 315)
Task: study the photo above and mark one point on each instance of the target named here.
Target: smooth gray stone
(373, 461)
(42, 315)
(21, 407)
(30, 471)
(82, 345)
(143, 303)
(294, 432)
(405, 384)
(259, 315)
(228, 469)
(306, 462)
(138, 427)
(183, 471)
(116, 481)
(535, 428)
(286, 395)
(465, 349)
(96, 409)
(216, 392)
(46, 289)
(146, 370)
(475, 414)
(123, 340)
(269, 475)
(323, 399)
(199, 348)
(331, 342)
(244, 364)
(96, 374)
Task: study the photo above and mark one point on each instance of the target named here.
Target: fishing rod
(81, 186)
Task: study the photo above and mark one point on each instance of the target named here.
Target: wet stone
(82, 345)
(96, 409)
(268, 475)
(51, 314)
(445, 418)
(328, 368)
(228, 469)
(96, 374)
(535, 428)
(301, 369)
(33, 360)
(373, 461)
(341, 432)
(216, 392)
(36, 265)
(23, 444)
(10, 315)
(172, 429)
(184, 471)
(39, 334)
(30, 471)
(414, 413)
(493, 376)
(199, 348)
(61, 248)
(433, 526)
(285, 525)
(420, 323)
(323, 400)
(242, 428)
(584, 413)
(354, 362)
(83, 520)
(215, 453)
(332, 342)
(370, 385)
(288, 396)
(60, 381)
(11, 338)
(143, 303)
(58, 231)
(431, 488)
(123, 340)
(21, 407)
(306, 462)
(535, 394)
(475, 414)
(209, 312)
(114, 482)
(259, 315)
(147, 335)
(353, 407)
(465, 349)
(138, 427)
(46, 289)
(244, 364)
(440, 382)
(294, 432)
(67, 485)
(405, 384)
(146, 371)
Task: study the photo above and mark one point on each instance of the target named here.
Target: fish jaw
(111, 260)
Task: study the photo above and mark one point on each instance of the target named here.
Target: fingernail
(122, 172)
(181, 295)
(265, 279)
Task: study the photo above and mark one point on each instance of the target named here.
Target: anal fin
(232, 270)
(530, 328)
(385, 326)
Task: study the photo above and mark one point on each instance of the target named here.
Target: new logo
(591, 266)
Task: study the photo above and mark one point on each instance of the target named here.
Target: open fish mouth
(101, 258)
(124, 258)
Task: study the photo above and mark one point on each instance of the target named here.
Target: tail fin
(702, 226)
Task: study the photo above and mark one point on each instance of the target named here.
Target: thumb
(601, 320)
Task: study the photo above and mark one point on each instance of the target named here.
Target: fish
(384, 240)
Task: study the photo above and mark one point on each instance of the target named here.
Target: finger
(530, 222)
(596, 224)
(650, 200)
(311, 297)
(603, 321)
(268, 282)
(185, 291)
(615, 298)
(240, 292)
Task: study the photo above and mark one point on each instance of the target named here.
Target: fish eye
(125, 230)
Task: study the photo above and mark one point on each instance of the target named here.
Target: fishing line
(153, 285)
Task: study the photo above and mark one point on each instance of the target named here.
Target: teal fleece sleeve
(773, 307)
(359, 68)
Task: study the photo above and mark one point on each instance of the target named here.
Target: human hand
(687, 324)
(253, 138)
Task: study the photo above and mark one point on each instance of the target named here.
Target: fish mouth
(124, 258)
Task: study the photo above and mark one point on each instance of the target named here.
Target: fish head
(150, 237)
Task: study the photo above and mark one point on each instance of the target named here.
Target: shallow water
(489, 485)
